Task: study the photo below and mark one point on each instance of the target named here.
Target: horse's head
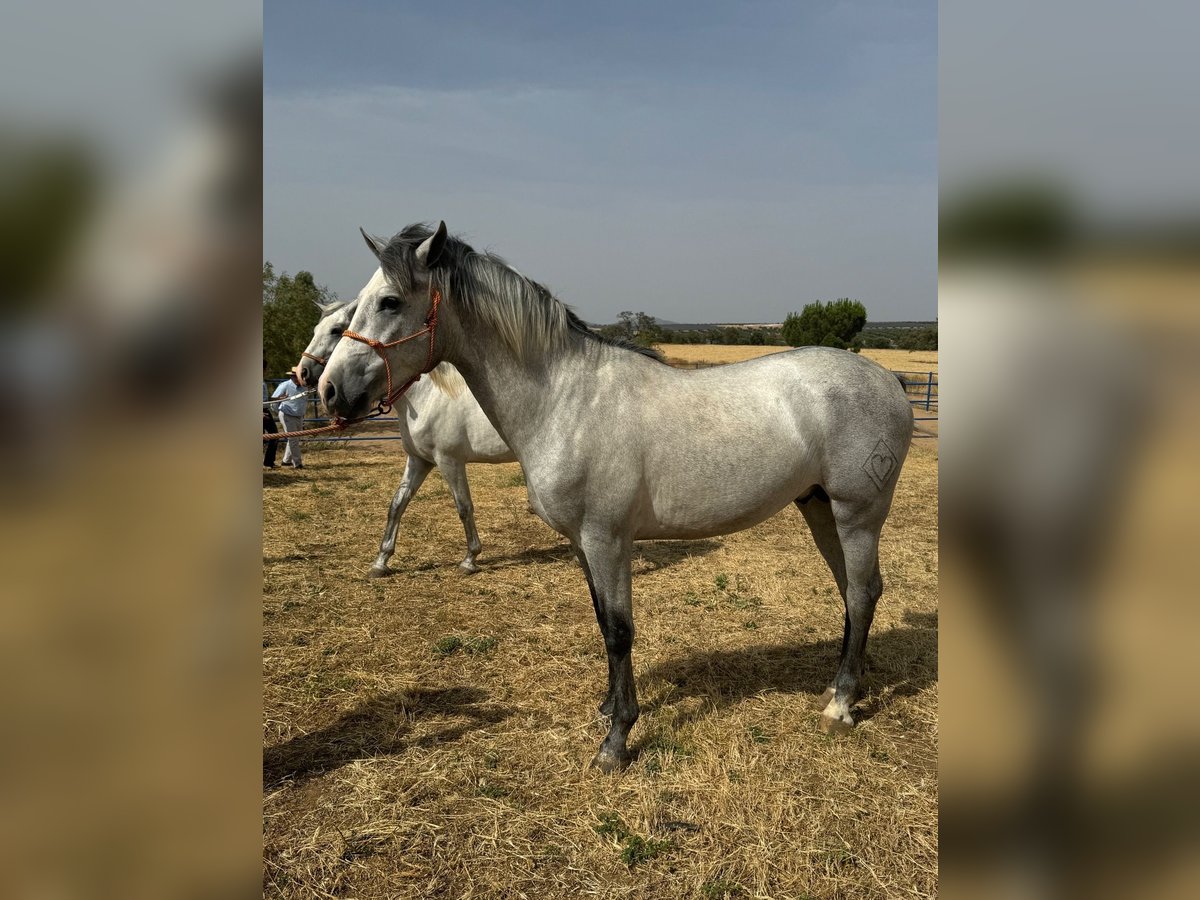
(325, 338)
(392, 337)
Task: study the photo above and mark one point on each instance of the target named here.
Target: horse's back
(726, 447)
(818, 391)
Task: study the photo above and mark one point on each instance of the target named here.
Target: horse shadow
(900, 662)
(649, 556)
(380, 726)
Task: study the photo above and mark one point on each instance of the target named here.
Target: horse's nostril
(329, 394)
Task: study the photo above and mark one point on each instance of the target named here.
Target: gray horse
(440, 425)
(618, 447)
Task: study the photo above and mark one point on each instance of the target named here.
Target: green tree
(638, 328)
(289, 315)
(820, 324)
(919, 339)
(873, 341)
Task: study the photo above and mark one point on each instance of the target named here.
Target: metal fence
(921, 388)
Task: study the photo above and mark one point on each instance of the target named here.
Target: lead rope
(385, 405)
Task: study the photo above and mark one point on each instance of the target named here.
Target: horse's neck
(519, 396)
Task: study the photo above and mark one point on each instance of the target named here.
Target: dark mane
(520, 310)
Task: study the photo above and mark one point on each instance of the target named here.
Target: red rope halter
(385, 405)
(379, 347)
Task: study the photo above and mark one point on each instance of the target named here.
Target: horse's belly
(708, 513)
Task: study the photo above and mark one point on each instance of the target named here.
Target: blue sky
(700, 161)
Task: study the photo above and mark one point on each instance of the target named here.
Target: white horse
(441, 425)
(617, 447)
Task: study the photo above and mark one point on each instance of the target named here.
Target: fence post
(928, 391)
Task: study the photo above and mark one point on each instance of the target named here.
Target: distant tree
(872, 341)
(289, 315)
(637, 327)
(728, 335)
(919, 339)
(820, 324)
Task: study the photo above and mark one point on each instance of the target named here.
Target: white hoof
(836, 719)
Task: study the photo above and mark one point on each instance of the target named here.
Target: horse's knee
(618, 635)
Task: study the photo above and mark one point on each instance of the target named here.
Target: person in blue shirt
(291, 417)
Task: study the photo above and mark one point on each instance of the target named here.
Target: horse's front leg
(608, 559)
(606, 707)
(415, 471)
(454, 470)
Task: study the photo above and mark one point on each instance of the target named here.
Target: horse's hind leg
(415, 471)
(859, 537)
(455, 472)
(818, 513)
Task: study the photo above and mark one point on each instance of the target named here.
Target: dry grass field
(899, 360)
(428, 735)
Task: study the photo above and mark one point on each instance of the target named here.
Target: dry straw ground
(899, 360)
(428, 735)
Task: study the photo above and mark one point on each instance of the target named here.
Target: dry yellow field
(428, 735)
(905, 360)
(898, 360)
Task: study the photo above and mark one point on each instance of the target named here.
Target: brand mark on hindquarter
(880, 464)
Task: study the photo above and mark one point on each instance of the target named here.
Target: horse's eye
(389, 303)
(337, 331)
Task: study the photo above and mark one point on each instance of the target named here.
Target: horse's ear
(376, 245)
(431, 248)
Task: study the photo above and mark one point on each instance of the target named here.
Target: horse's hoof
(823, 700)
(607, 707)
(379, 572)
(467, 567)
(836, 727)
(608, 762)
